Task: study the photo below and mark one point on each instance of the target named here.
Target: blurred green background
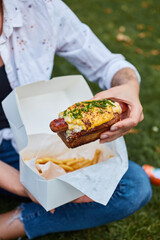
(133, 29)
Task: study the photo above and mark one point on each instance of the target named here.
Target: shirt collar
(12, 17)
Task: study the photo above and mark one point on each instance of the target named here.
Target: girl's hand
(129, 94)
(83, 199)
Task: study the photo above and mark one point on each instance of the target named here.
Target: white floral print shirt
(35, 30)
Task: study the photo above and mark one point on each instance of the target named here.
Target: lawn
(131, 28)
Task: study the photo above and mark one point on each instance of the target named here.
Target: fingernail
(104, 136)
(114, 128)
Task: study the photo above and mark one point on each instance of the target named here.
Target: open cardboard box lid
(29, 110)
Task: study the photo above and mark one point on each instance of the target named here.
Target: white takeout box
(29, 110)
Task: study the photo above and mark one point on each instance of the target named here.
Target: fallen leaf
(145, 5)
(157, 149)
(144, 34)
(155, 52)
(139, 50)
(127, 44)
(150, 28)
(122, 29)
(123, 38)
(140, 26)
(156, 67)
(108, 10)
(133, 131)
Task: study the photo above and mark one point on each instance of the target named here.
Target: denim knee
(137, 187)
(147, 189)
(132, 193)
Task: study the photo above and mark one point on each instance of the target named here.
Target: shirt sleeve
(80, 46)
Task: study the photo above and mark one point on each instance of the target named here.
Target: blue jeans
(132, 192)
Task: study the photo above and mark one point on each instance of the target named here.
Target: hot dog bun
(84, 122)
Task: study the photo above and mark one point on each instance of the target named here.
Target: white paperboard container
(29, 110)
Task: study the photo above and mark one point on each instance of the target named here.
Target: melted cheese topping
(117, 108)
(90, 118)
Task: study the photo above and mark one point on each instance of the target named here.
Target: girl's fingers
(52, 211)
(113, 137)
(135, 116)
(83, 199)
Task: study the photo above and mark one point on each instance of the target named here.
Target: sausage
(124, 107)
(58, 125)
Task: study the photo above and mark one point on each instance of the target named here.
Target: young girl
(31, 33)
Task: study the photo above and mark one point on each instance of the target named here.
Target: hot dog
(84, 122)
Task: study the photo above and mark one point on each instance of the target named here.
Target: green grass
(141, 20)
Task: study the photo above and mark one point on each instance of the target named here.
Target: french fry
(75, 161)
(66, 161)
(45, 160)
(71, 164)
(75, 167)
(78, 164)
(96, 156)
(48, 158)
(65, 167)
(41, 161)
(85, 162)
(54, 160)
(38, 168)
(88, 164)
